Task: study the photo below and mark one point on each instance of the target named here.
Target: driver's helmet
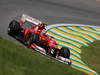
(41, 26)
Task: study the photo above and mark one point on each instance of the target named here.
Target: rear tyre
(64, 52)
(14, 28)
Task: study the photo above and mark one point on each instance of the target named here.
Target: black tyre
(14, 28)
(64, 52)
(34, 38)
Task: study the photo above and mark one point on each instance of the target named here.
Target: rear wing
(30, 19)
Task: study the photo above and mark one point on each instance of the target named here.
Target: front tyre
(64, 52)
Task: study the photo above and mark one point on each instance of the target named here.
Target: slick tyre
(64, 52)
(14, 28)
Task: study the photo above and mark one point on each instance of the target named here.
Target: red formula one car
(33, 35)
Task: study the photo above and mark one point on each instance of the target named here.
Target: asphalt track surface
(51, 11)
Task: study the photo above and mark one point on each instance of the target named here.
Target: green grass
(91, 56)
(18, 60)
